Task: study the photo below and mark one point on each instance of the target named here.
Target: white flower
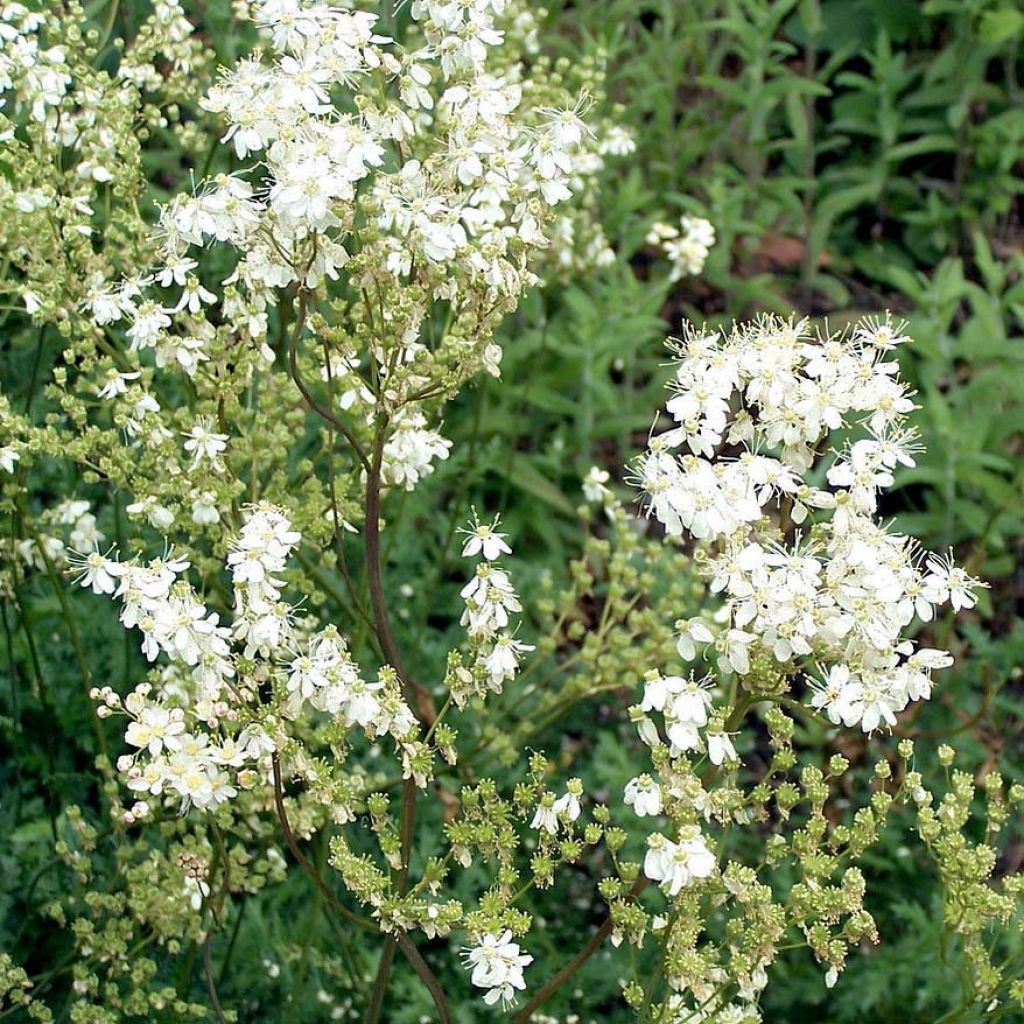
(735, 651)
(617, 140)
(305, 190)
(683, 735)
(948, 582)
(204, 509)
(363, 705)
(497, 965)
(690, 703)
(196, 890)
(658, 690)
(194, 296)
(175, 270)
(678, 865)
(117, 384)
(568, 805)
(84, 532)
(594, 485)
(720, 748)
(545, 817)
(643, 794)
(203, 444)
(147, 325)
(94, 571)
(156, 728)
(502, 662)
(691, 633)
(160, 517)
(483, 538)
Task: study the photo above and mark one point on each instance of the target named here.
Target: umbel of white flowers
(497, 965)
(475, 201)
(815, 593)
(187, 736)
(812, 583)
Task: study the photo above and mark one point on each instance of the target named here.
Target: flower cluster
(490, 597)
(262, 380)
(497, 966)
(199, 729)
(38, 75)
(754, 410)
(677, 865)
(177, 754)
(66, 133)
(61, 530)
(578, 241)
(175, 725)
(686, 247)
(168, 613)
(480, 175)
(256, 560)
(686, 707)
(410, 451)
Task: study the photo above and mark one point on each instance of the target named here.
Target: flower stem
(546, 991)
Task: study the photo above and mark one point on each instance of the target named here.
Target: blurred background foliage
(855, 156)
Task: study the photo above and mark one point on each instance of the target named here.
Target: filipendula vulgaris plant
(265, 373)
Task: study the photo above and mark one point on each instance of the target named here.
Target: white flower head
(484, 539)
(497, 965)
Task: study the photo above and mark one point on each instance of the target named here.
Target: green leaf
(525, 475)
(991, 271)
(998, 26)
(836, 204)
